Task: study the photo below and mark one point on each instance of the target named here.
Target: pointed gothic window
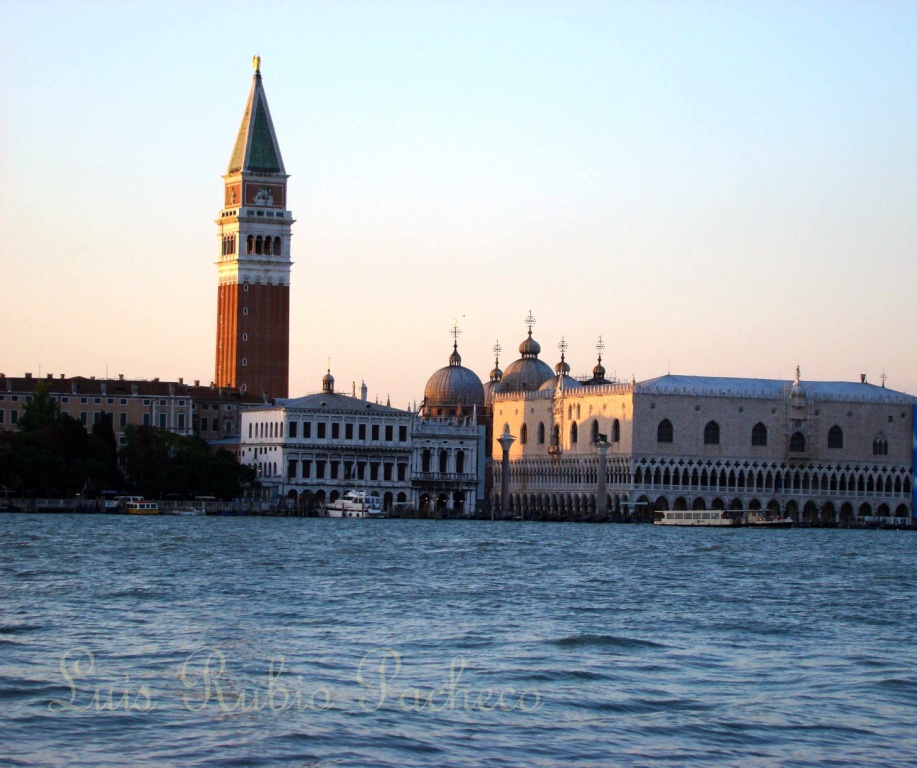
(541, 433)
(759, 434)
(595, 431)
(574, 433)
(616, 431)
(524, 434)
(880, 446)
(798, 443)
(835, 437)
(664, 433)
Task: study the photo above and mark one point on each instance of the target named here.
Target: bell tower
(255, 227)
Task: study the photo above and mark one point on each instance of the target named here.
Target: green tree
(40, 411)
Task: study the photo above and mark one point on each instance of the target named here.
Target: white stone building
(311, 450)
(821, 452)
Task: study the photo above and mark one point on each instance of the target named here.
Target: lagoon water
(274, 641)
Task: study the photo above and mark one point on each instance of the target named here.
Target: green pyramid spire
(256, 148)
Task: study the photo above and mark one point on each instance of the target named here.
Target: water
(413, 643)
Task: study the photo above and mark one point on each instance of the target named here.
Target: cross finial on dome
(497, 350)
(562, 346)
(600, 347)
(530, 321)
(455, 331)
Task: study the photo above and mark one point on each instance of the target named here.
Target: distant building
(820, 452)
(310, 450)
(209, 411)
(255, 227)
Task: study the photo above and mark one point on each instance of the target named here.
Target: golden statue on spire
(256, 62)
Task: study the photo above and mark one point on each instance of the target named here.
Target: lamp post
(601, 507)
(506, 440)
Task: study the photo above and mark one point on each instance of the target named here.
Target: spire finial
(600, 347)
(530, 321)
(497, 350)
(256, 63)
(562, 346)
(455, 331)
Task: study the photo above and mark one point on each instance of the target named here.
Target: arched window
(595, 431)
(268, 246)
(524, 434)
(277, 247)
(712, 433)
(880, 446)
(555, 437)
(616, 431)
(250, 244)
(541, 433)
(798, 443)
(665, 433)
(259, 244)
(835, 437)
(443, 461)
(574, 433)
(759, 434)
(425, 461)
(460, 462)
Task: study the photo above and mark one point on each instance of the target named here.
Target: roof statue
(256, 62)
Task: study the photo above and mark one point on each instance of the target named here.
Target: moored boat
(142, 508)
(357, 504)
(729, 518)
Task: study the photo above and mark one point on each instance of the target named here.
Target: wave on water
(604, 641)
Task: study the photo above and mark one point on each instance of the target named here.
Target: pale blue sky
(715, 188)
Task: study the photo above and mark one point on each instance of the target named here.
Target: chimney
(862, 378)
(197, 382)
(63, 376)
(49, 376)
(28, 375)
(120, 377)
(181, 380)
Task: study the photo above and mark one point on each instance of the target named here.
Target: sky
(716, 189)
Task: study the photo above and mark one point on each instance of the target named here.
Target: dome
(530, 347)
(528, 372)
(598, 375)
(328, 382)
(491, 388)
(453, 387)
(569, 383)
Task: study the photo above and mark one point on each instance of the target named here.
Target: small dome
(328, 382)
(496, 374)
(562, 367)
(530, 347)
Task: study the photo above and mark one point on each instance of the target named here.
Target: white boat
(187, 512)
(706, 517)
(731, 518)
(357, 504)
